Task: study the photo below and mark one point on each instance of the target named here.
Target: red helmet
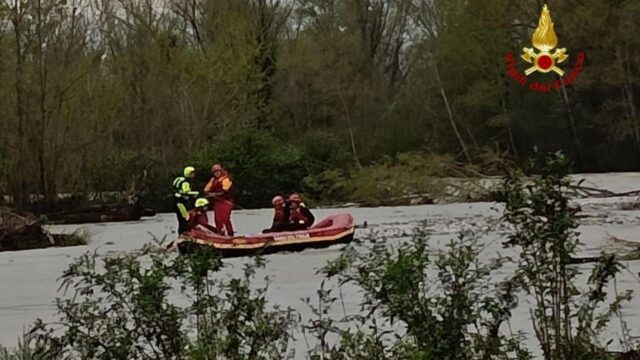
(277, 200)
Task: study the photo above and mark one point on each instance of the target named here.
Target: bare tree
(431, 21)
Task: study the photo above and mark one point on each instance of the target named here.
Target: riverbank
(389, 191)
(449, 190)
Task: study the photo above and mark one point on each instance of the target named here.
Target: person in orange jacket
(280, 215)
(198, 216)
(300, 217)
(220, 188)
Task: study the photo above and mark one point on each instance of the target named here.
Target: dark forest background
(318, 96)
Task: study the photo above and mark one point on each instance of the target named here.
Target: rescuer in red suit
(198, 216)
(280, 215)
(300, 218)
(220, 188)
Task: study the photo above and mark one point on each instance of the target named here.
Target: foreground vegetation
(418, 302)
(299, 95)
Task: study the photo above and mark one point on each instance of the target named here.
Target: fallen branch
(464, 171)
(24, 231)
(635, 255)
(587, 191)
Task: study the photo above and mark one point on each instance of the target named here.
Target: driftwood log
(24, 232)
(129, 209)
(634, 255)
(579, 190)
(100, 213)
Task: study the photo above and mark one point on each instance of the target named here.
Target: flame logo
(544, 38)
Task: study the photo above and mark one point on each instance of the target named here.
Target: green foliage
(122, 308)
(261, 165)
(166, 80)
(405, 175)
(117, 170)
(22, 352)
(347, 83)
(323, 150)
(436, 297)
(329, 186)
(545, 233)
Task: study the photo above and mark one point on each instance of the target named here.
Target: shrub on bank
(399, 180)
(120, 308)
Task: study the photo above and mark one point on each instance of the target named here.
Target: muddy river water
(28, 279)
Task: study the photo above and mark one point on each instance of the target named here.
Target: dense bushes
(117, 170)
(260, 164)
(443, 301)
(396, 180)
(121, 308)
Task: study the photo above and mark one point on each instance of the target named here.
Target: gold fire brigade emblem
(545, 40)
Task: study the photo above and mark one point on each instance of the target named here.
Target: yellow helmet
(202, 202)
(188, 170)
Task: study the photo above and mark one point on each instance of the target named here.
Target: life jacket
(180, 194)
(217, 185)
(280, 216)
(297, 217)
(197, 218)
(280, 220)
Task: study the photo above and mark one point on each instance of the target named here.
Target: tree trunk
(633, 115)
(450, 113)
(512, 142)
(347, 117)
(572, 124)
(196, 29)
(628, 91)
(19, 183)
(266, 29)
(42, 74)
(505, 112)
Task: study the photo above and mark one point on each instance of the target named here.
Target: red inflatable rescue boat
(335, 229)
